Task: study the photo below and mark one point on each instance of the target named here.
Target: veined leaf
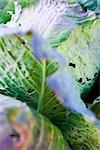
(23, 76)
(26, 82)
(82, 53)
(81, 133)
(61, 82)
(61, 78)
(51, 18)
(20, 129)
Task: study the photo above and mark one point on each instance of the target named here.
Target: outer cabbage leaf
(22, 129)
(81, 133)
(82, 53)
(51, 18)
(61, 78)
(23, 76)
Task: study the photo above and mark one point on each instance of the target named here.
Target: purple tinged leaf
(64, 86)
(42, 50)
(7, 143)
(9, 31)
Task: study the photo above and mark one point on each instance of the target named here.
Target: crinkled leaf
(53, 19)
(61, 78)
(24, 77)
(38, 98)
(21, 129)
(82, 52)
(64, 86)
(61, 82)
(81, 133)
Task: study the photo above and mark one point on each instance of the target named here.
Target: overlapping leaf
(20, 129)
(82, 53)
(24, 77)
(51, 18)
(81, 133)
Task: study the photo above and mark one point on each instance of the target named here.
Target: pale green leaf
(23, 77)
(81, 133)
(82, 53)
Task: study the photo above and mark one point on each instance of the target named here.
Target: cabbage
(81, 133)
(50, 81)
(22, 129)
(82, 53)
(51, 21)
